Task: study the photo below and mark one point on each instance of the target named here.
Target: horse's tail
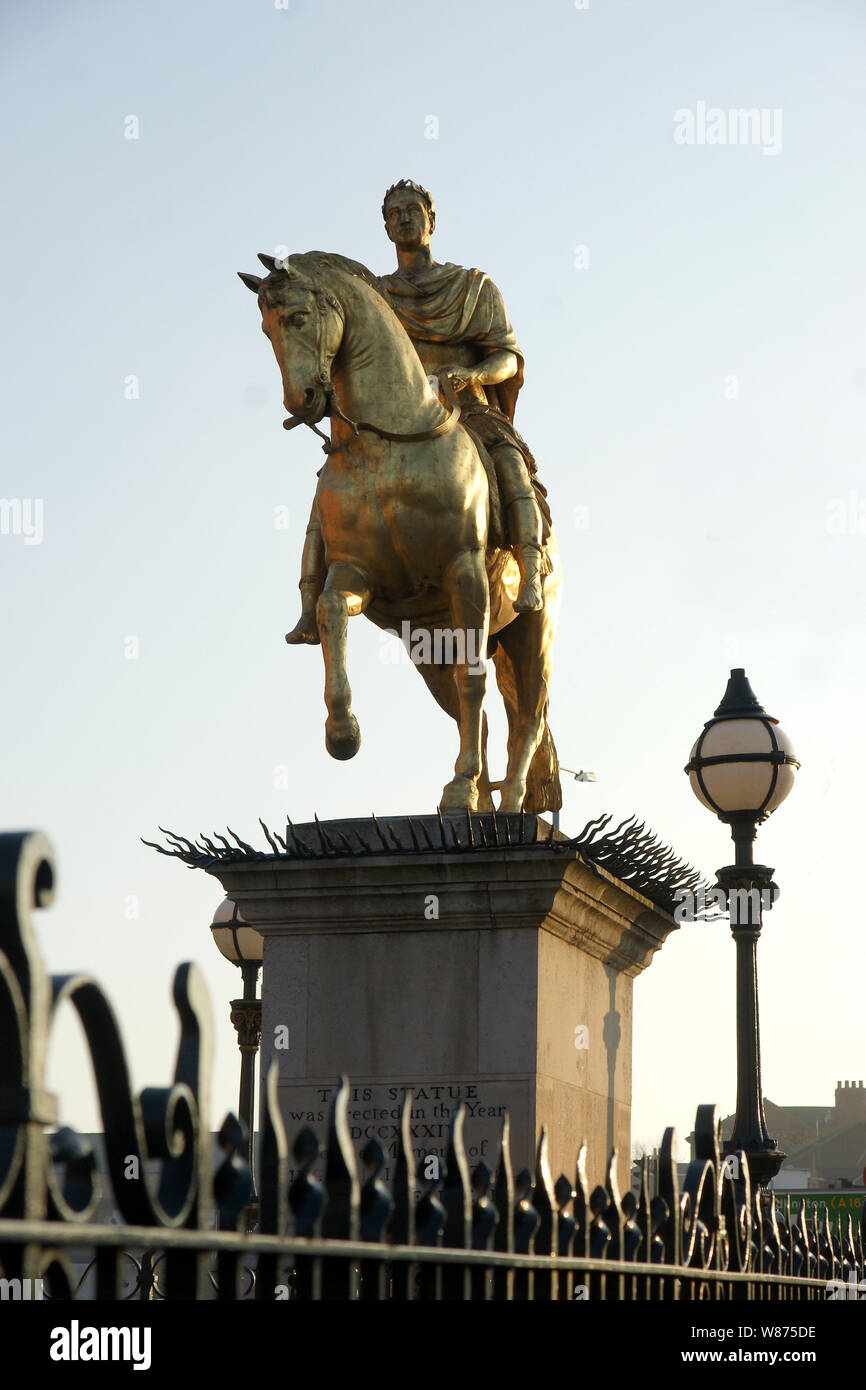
(543, 787)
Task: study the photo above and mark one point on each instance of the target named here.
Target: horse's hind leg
(522, 671)
(465, 585)
(440, 682)
(347, 592)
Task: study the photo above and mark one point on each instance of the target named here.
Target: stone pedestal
(417, 955)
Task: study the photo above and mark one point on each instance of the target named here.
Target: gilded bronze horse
(407, 515)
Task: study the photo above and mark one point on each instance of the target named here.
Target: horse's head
(305, 325)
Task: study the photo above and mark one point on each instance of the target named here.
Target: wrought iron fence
(441, 1233)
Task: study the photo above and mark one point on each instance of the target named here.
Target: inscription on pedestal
(374, 1113)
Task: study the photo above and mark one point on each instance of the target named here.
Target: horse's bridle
(324, 301)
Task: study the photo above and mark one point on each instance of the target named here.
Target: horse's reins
(323, 300)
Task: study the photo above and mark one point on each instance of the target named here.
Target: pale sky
(691, 317)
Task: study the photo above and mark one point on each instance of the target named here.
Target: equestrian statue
(428, 516)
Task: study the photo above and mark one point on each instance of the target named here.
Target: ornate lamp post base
(764, 1164)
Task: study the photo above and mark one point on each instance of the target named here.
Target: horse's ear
(276, 263)
(252, 282)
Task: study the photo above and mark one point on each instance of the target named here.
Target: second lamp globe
(742, 765)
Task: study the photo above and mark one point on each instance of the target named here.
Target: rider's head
(409, 213)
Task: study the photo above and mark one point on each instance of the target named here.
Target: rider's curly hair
(416, 188)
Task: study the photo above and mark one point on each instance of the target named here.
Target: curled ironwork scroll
(53, 1178)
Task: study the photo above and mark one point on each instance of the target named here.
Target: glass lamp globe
(742, 765)
(240, 944)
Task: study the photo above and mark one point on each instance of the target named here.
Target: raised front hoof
(344, 739)
(305, 630)
(461, 794)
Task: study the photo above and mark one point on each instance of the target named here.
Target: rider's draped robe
(452, 304)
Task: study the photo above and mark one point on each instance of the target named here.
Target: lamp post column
(246, 1015)
(748, 889)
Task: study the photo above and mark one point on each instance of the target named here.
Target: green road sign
(839, 1204)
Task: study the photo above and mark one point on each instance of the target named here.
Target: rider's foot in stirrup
(530, 595)
(305, 630)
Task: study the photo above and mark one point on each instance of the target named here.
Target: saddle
(497, 538)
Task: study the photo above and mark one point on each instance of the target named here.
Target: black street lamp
(742, 767)
(243, 946)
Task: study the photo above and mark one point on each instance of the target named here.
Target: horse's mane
(332, 260)
(310, 262)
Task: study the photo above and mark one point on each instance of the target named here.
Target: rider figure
(458, 325)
